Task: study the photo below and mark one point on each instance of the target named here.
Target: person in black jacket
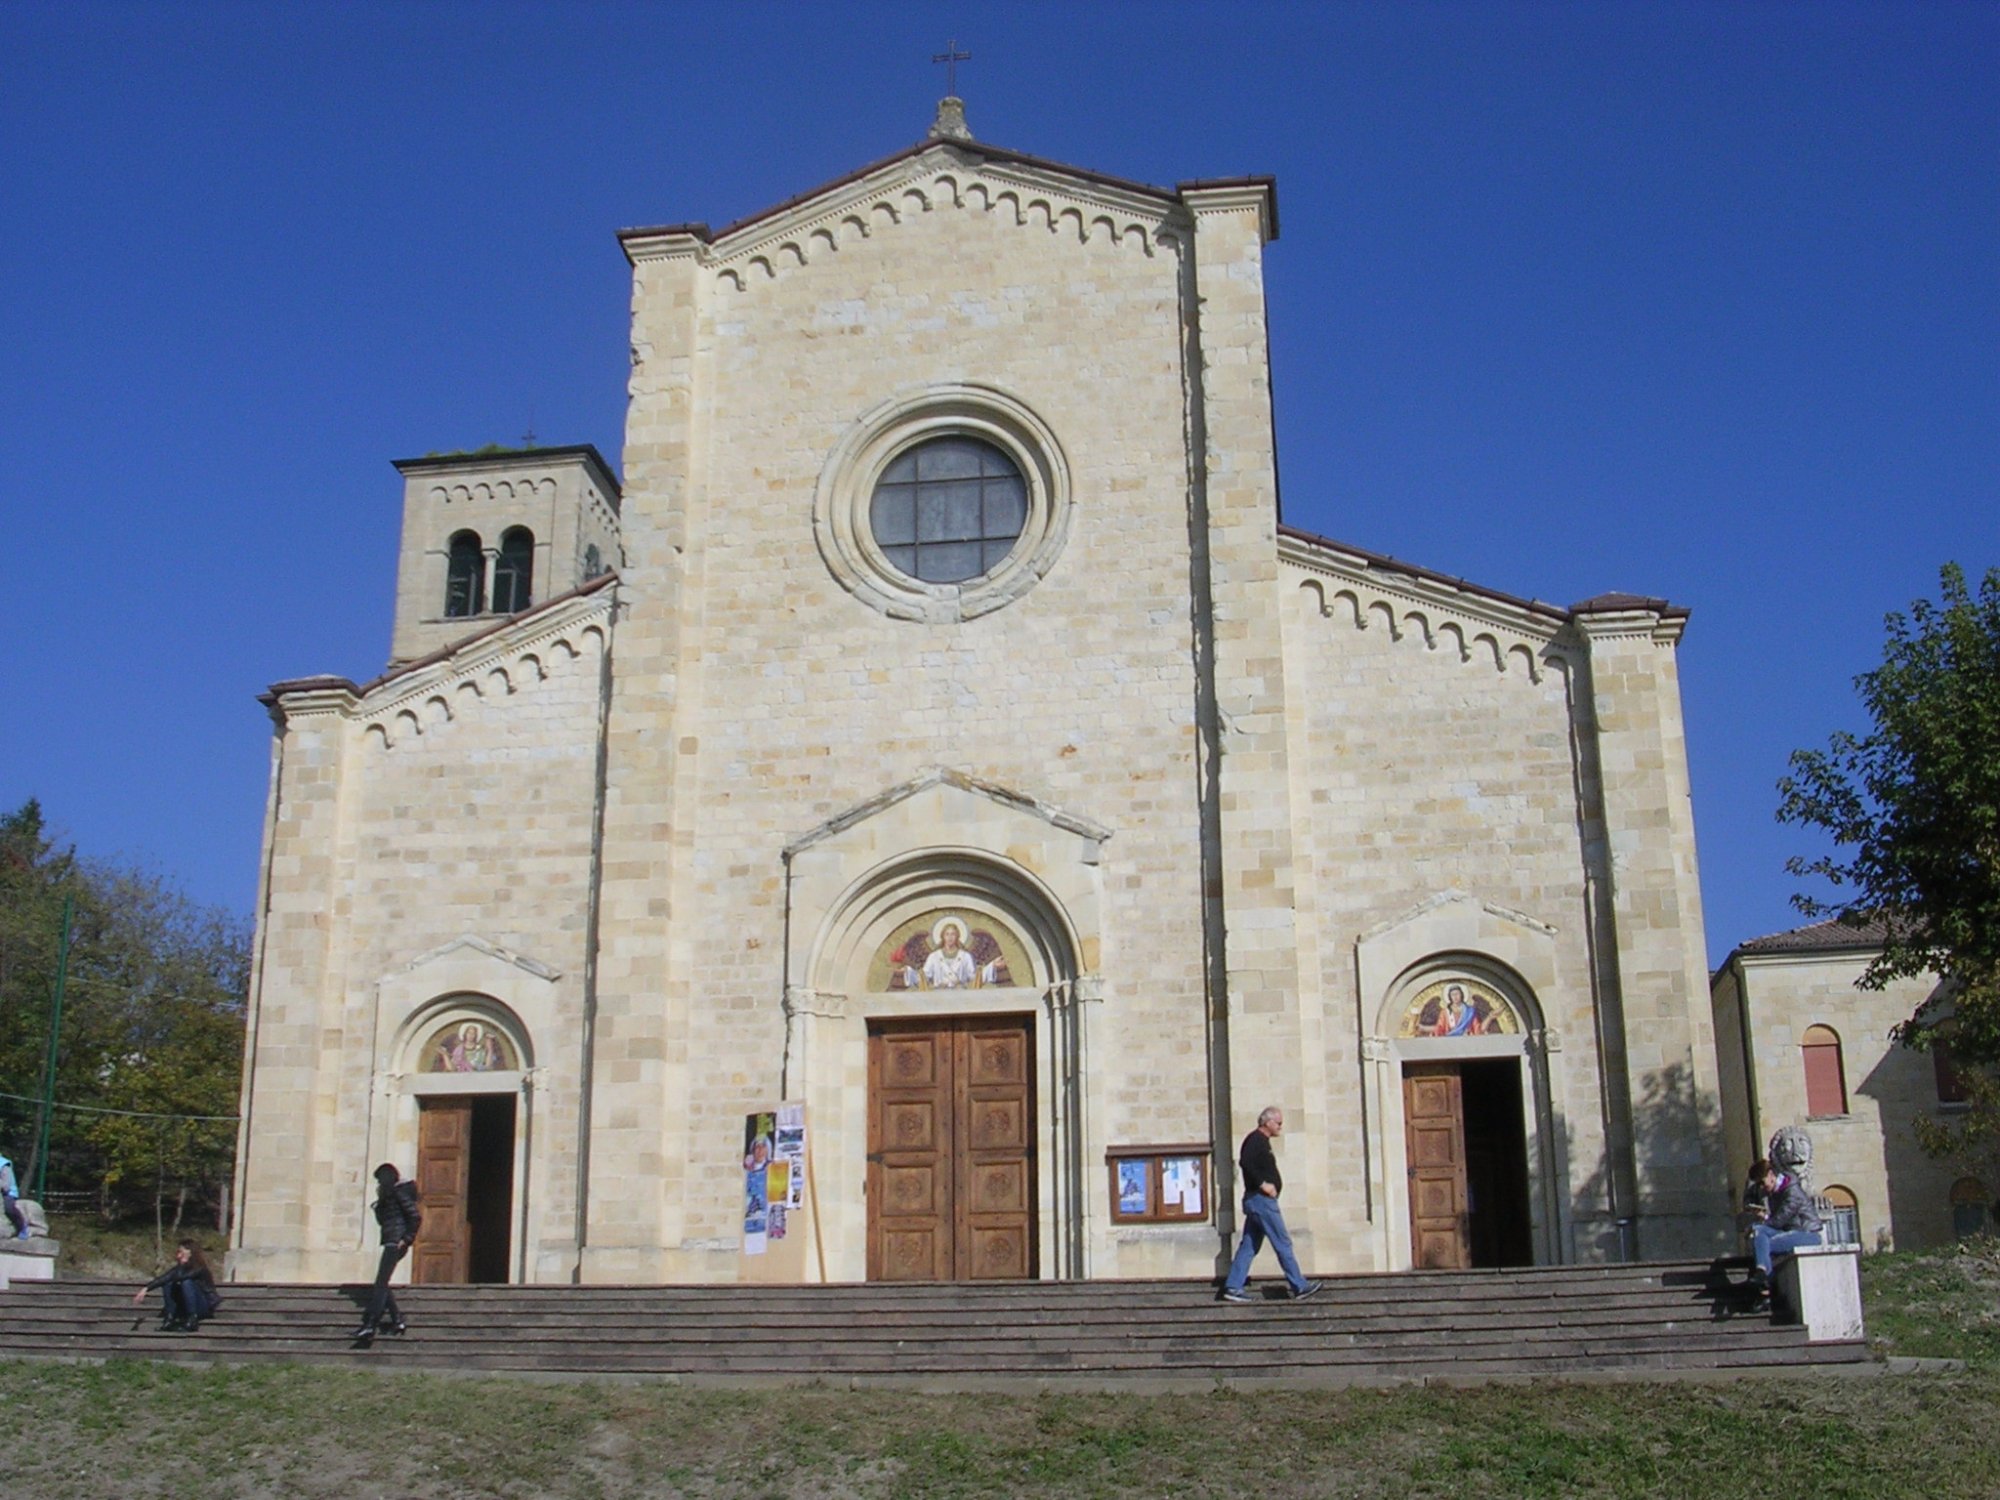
(397, 1212)
(1261, 1219)
(186, 1288)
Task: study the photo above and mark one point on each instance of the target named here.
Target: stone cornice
(545, 460)
(1658, 625)
(942, 775)
(1368, 590)
(510, 653)
(1454, 898)
(310, 697)
(1234, 195)
(680, 242)
(476, 945)
(944, 176)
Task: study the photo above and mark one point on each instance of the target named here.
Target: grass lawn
(133, 1429)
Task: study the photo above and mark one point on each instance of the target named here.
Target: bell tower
(488, 535)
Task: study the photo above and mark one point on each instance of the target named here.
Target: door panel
(444, 1163)
(1434, 1142)
(909, 1156)
(951, 1180)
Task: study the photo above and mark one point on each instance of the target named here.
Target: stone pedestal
(28, 1260)
(1819, 1286)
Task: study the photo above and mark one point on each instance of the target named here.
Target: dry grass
(138, 1430)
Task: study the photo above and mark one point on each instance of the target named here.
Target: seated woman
(187, 1287)
(1790, 1221)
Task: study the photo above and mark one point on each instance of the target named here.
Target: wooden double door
(465, 1177)
(1465, 1144)
(951, 1149)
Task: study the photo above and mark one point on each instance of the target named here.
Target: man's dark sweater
(1258, 1165)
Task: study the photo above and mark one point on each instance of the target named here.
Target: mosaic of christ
(949, 950)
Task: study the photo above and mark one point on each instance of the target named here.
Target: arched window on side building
(514, 571)
(465, 577)
(1826, 1081)
(1843, 1216)
(1970, 1207)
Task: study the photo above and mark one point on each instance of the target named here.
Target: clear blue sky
(1690, 300)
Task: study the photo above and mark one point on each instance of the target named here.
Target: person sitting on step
(1790, 1222)
(187, 1290)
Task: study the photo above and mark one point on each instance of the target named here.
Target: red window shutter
(1826, 1090)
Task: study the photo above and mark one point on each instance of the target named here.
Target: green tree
(35, 875)
(1913, 812)
(152, 1026)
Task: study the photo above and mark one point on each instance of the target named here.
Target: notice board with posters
(781, 1241)
(1159, 1184)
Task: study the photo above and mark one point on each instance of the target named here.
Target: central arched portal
(939, 1049)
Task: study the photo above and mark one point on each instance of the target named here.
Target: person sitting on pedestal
(1790, 1222)
(10, 1192)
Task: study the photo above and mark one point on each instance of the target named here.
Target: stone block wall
(451, 804)
(795, 699)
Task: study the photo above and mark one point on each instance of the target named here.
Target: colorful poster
(1133, 1197)
(757, 1132)
(790, 1149)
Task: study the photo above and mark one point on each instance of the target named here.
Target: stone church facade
(935, 726)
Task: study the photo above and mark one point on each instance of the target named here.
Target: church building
(907, 819)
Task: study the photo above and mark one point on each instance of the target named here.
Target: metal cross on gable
(951, 57)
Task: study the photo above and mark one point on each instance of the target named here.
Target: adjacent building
(1800, 1042)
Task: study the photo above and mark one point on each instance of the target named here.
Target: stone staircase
(1647, 1321)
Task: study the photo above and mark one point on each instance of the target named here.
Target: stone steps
(1640, 1321)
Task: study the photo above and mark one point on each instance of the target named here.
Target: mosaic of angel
(468, 1047)
(1455, 1008)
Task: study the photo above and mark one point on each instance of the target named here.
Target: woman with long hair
(187, 1288)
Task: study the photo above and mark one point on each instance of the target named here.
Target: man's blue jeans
(1262, 1221)
(1766, 1242)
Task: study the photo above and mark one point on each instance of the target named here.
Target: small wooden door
(1434, 1142)
(951, 1150)
(444, 1168)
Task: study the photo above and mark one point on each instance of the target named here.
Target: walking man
(1261, 1219)
(397, 1212)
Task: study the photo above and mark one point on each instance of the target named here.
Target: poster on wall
(790, 1149)
(758, 1133)
(774, 1183)
(1134, 1194)
(1180, 1183)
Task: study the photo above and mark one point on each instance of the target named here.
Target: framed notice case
(1159, 1184)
